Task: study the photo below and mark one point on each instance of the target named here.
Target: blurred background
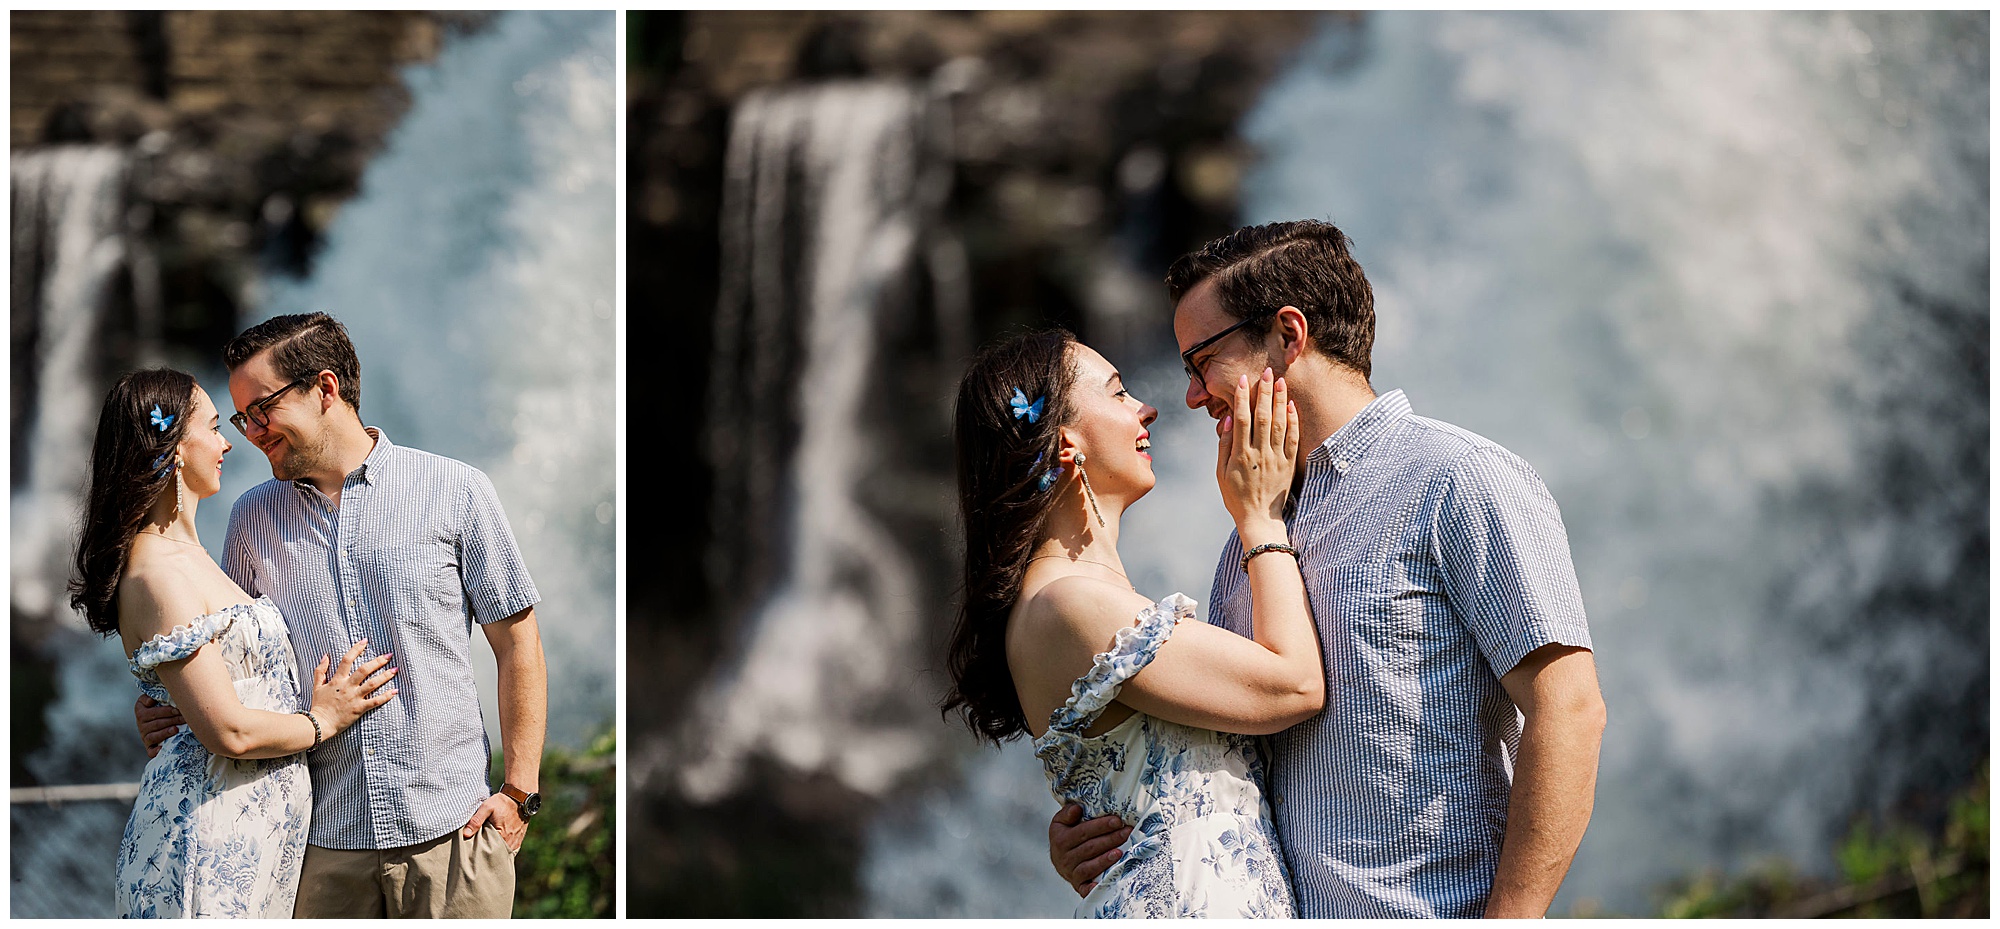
(440, 182)
(1722, 279)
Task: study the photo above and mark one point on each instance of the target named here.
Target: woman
(220, 824)
(1148, 714)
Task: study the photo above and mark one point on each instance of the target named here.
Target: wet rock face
(249, 130)
(1079, 154)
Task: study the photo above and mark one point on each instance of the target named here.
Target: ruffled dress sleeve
(1131, 651)
(182, 642)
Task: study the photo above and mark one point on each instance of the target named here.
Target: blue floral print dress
(1202, 842)
(214, 836)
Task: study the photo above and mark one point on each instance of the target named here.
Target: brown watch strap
(514, 793)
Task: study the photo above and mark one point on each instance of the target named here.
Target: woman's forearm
(1280, 618)
(246, 733)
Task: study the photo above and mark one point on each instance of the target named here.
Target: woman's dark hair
(131, 464)
(1004, 456)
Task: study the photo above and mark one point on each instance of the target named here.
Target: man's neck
(1328, 396)
(351, 445)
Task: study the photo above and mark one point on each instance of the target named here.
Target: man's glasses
(1187, 357)
(259, 411)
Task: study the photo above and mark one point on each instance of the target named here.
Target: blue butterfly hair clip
(1048, 478)
(162, 467)
(1023, 408)
(161, 421)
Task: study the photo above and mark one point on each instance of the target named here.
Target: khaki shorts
(449, 877)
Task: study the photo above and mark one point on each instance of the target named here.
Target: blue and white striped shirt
(1434, 561)
(417, 551)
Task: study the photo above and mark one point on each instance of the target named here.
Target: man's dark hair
(1305, 263)
(302, 345)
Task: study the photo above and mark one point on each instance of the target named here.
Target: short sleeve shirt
(417, 552)
(1434, 561)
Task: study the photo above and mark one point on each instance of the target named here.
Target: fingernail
(394, 670)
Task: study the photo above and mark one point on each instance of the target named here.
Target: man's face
(1198, 317)
(294, 436)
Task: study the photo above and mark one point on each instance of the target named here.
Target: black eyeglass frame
(259, 410)
(1187, 357)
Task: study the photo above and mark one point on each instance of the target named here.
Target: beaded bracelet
(315, 721)
(1268, 547)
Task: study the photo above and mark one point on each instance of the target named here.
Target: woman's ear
(1067, 454)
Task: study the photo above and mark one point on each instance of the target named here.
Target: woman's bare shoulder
(1085, 609)
(153, 599)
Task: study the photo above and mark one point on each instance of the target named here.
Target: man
(358, 538)
(1452, 771)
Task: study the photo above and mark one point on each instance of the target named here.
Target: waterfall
(1722, 280)
(69, 246)
(69, 250)
(826, 209)
(476, 274)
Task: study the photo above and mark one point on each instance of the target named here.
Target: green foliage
(1886, 870)
(567, 865)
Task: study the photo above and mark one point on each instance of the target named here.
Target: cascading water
(476, 274)
(68, 247)
(827, 201)
(1722, 280)
(68, 250)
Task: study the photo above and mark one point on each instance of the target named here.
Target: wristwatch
(530, 803)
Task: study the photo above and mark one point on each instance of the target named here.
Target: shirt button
(371, 753)
(1341, 467)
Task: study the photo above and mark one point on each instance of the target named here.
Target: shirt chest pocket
(1374, 619)
(426, 569)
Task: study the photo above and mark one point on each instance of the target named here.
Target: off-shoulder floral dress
(213, 836)
(1202, 842)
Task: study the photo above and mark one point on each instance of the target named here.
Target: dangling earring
(179, 485)
(1087, 494)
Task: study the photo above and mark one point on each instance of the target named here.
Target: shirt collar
(366, 473)
(379, 454)
(1349, 441)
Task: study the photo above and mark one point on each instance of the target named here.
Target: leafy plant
(1892, 869)
(567, 865)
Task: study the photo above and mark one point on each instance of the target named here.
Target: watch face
(532, 805)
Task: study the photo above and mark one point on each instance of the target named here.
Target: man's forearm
(524, 711)
(1555, 785)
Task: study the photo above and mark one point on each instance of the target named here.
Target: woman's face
(1109, 426)
(202, 447)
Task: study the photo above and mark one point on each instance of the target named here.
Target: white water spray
(1656, 255)
(476, 274)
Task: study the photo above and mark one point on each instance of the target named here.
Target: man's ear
(1295, 331)
(329, 385)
